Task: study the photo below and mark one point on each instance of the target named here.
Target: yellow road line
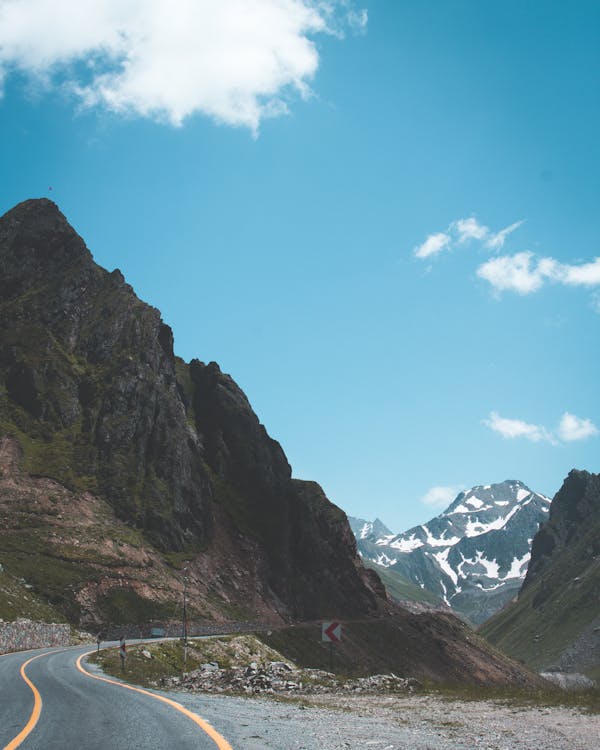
(37, 707)
(219, 741)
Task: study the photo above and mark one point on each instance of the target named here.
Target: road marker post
(331, 632)
(122, 652)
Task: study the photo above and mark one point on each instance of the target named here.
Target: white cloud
(496, 241)
(470, 229)
(461, 231)
(517, 428)
(587, 274)
(570, 428)
(441, 496)
(434, 244)
(236, 61)
(517, 273)
(524, 274)
(573, 428)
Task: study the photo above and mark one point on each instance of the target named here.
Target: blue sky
(269, 178)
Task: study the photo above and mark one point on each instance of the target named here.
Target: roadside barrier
(22, 635)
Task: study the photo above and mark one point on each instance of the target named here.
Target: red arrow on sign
(331, 632)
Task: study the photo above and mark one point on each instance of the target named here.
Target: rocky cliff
(98, 413)
(555, 622)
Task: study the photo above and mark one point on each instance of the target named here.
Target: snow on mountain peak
(480, 544)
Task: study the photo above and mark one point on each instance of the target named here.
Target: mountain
(368, 535)
(125, 468)
(474, 555)
(368, 529)
(128, 477)
(555, 622)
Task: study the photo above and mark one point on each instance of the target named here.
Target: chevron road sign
(331, 631)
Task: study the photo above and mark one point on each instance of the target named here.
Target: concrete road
(51, 700)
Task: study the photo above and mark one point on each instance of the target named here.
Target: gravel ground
(392, 723)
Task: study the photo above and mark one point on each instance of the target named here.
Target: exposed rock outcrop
(91, 391)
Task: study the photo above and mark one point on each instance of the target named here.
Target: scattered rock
(284, 678)
(569, 681)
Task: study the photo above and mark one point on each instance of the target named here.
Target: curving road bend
(68, 708)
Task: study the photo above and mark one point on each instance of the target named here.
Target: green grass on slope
(167, 657)
(549, 614)
(18, 600)
(400, 588)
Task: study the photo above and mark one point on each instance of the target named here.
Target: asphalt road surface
(50, 702)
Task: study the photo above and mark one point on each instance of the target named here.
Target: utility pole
(185, 643)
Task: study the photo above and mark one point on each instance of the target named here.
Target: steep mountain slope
(475, 554)
(433, 646)
(555, 623)
(166, 457)
(404, 592)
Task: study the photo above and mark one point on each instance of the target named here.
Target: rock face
(555, 622)
(474, 555)
(92, 393)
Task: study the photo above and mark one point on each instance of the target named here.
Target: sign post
(122, 652)
(331, 632)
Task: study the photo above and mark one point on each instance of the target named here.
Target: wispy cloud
(517, 428)
(496, 241)
(433, 245)
(237, 61)
(441, 496)
(522, 273)
(460, 232)
(570, 429)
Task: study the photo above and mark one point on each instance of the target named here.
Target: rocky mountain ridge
(474, 555)
(555, 622)
(94, 403)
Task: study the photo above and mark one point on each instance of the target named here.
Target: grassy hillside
(550, 614)
(555, 622)
(401, 589)
(17, 599)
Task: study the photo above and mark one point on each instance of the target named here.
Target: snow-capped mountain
(369, 530)
(474, 555)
